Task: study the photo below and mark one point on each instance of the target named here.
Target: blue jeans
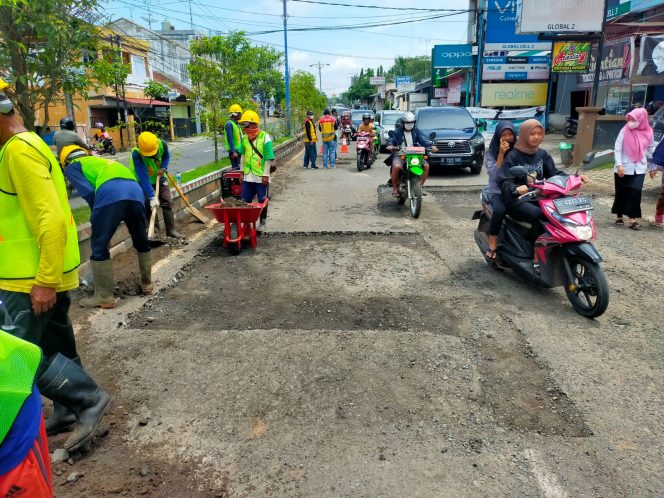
(251, 190)
(105, 221)
(310, 154)
(331, 149)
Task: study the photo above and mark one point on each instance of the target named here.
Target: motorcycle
(571, 127)
(104, 146)
(566, 254)
(347, 131)
(365, 150)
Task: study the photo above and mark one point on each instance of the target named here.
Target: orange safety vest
(326, 125)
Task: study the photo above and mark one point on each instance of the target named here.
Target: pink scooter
(566, 255)
(365, 155)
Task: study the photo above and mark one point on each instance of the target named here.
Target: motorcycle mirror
(517, 171)
(432, 135)
(391, 133)
(588, 158)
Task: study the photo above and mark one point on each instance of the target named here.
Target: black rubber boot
(62, 419)
(169, 222)
(68, 384)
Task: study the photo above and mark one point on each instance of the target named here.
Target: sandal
(620, 221)
(490, 254)
(635, 225)
(396, 194)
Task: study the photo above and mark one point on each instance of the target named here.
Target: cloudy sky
(345, 50)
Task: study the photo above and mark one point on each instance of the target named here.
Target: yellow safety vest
(150, 162)
(314, 138)
(327, 128)
(237, 136)
(19, 249)
(252, 161)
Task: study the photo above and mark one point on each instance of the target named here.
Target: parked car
(384, 122)
(460, 143)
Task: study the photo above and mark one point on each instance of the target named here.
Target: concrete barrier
(199, 192)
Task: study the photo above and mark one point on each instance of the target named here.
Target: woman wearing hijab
(501, 144)
(633, 142)
(540, 165)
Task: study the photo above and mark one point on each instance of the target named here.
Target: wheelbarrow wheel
(234, 247)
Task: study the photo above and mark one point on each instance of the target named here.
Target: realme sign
(513, 94)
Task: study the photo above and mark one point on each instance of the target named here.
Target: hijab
(636, 141)
(494, 146)
(524, 133)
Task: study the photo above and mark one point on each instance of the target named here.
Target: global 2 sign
(452, 56)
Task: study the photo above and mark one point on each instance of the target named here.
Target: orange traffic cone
(321, 149)
(344, 145)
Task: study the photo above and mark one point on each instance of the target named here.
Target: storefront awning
(147, 102)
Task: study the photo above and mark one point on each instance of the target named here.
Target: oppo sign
(452, 56)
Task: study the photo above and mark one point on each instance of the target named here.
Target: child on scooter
(658, 165)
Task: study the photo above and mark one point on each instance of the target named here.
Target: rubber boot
(169, 222)
(262, 221)
(62, 419)
(103, 276)
(69, 385)
(145, 265)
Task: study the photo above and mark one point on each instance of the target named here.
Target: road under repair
(360, 352)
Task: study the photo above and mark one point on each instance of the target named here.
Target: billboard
(405, 84)
(514, 94)
(570, 57)
(651, 56)
(616, 63)
(501, 18)
(516, 65)
(560, 16)
(444, 56)
(377, 80)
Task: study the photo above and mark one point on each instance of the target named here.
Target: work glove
(154, 203)
(273, 168)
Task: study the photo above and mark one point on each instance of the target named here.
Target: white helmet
(409, 117)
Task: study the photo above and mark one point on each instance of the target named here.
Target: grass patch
(81, 214)
(206, 169)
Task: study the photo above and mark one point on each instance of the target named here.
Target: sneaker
(656, 224)
(306, 167)
(314, 167)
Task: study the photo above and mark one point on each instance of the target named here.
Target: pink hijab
(637, 141)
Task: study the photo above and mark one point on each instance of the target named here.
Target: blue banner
(501, 21)
(452, 55)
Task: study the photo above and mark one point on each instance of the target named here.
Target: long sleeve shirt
(631, 167)
(230, 136)
(142, 170)
(495, 174)
(308, 125)
(63, 138)
(540, 165)
(30, 173)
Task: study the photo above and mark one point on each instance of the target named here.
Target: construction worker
(39, 261)
(233, 135)
(25, 464)
(112, 192)
(327, 125)
(67, 135)
(257, 162)
(149, 160)
(310, 140)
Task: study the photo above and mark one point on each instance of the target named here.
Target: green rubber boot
(103, 275)
(145, 265)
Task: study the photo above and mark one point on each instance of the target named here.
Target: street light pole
(319, 65)
(598, 59)
(286, 75)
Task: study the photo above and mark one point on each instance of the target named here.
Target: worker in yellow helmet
(233, 135)
(39, 261)
(150, 159)
(257, 162)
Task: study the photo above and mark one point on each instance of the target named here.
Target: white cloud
(298, 58)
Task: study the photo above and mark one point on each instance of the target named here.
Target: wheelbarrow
(239, 223)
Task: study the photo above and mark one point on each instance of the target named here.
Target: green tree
(266, 77)
(305, 95)
(416, 67)
(42, 44)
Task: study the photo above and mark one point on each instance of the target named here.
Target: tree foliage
(42, 44)
(154, 90)
(305, 96)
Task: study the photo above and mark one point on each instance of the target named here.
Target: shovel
(153, 218)
(195, 212)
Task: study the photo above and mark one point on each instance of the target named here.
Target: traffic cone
(344, 145)
(321, 149)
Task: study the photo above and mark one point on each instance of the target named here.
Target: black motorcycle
(571, 127)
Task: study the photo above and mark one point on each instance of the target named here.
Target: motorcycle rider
(367, 126)
(67, 136)
(101, 136)
(407, 136)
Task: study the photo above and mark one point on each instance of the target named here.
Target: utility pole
(286, 75)
(191, 18)
(112, 39)
(598, 59)
(319, 65)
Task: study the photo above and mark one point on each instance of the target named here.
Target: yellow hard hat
(3, 84)
(235, 108)
(250, 117)
(70, 152)
(148, 144)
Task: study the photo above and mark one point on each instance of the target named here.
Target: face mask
(409, 126)
(632, 125)
(252, 133)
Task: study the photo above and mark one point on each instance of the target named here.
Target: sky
(345, 50)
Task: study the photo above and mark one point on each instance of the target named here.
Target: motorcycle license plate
(566, 205)
(452, 160)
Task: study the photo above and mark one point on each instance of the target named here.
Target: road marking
(546, 479)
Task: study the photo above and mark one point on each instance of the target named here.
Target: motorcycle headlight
(415, 161)
(582, 232)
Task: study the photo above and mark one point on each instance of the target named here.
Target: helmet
(71, 152)
(67, 124)
(6, 105)
(148, 144)
(249, 117)
(235, 109)
(99, 125)
(366, 115)
(409, 117)
(398, 123)
(3, 84)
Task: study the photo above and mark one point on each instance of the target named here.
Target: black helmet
(366, 115)
(326, 112)
(67, 124)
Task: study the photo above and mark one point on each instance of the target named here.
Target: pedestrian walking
(335, 115)
(328, 127)
(114, 195)
(25, 464)
(310, 141)
(634, 141)
(67, 135)
(39, 262)
(149, 160)
(257, 162)
(233, 135)
(658, 165)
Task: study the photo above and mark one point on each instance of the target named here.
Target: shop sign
(560, 16)
(452, 56)
(515, 72)
(440, 92)
(617, 8)
(377, 80)
(651, 56)
(514, 94)
(501, 18)
(616, 64)
(570, 57)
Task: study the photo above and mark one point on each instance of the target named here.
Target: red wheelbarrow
(239, 223)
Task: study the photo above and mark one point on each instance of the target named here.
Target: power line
(332, 4)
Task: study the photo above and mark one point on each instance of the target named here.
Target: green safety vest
(19, 249)
(237, 136)
(98, 170)
(150, 162)
(19, 361)
(252, 161)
